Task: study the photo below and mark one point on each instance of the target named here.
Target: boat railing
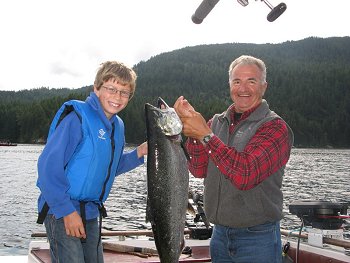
(284, 232)
(326, 240)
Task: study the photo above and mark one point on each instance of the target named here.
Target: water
(310, 174)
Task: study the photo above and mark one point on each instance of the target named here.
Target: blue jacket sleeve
(52, 180)
(129, 161)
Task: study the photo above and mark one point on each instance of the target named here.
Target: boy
(83, 155)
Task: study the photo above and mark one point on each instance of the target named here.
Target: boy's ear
(96, 91)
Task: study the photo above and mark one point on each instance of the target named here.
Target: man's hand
(183, 108)
(74, 225)
(194, 125)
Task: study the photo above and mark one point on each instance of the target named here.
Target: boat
(323, 237)
(7, 143)
(332, 251)
(319, 240)
(129, 246)
(138, 246)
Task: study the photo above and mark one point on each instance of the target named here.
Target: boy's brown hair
(116, 71)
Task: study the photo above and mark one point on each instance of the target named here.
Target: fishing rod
(116, 233)
(207, 5)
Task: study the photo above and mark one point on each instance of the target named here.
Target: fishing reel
(207, 5)
(275, 11)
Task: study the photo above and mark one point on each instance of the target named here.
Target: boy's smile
(113, 97)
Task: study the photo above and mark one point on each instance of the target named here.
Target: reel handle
(276, 12)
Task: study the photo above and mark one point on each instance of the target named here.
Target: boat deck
(39, 252)
(311, 254)
(110, 256)
(200, 253)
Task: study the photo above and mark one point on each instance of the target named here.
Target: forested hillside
(309, 86)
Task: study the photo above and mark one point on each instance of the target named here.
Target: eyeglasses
(123, 93)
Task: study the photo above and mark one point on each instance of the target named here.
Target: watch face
(206, 138)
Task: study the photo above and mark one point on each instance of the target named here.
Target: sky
(60, 44)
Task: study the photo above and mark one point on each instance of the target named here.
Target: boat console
(324, 219)
(319, 214)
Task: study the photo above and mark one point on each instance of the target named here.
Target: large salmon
(167, 180)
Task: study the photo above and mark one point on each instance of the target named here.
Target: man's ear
(264, 88)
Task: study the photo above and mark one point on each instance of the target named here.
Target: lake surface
(311, 174)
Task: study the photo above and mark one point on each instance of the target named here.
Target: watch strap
(207, 138)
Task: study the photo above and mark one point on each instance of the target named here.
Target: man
(242, 154)
(83, 155)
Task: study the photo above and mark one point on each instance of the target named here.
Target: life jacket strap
(43, 213)
(103, 214)
(102, 210)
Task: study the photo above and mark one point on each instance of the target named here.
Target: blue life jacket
(92, 168)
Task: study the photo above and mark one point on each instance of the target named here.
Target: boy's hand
(74, 225)
(142, 149)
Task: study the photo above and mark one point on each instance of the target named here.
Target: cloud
(57, 68)
(62, 43)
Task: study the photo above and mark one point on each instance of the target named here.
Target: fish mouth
(165, 118)
(162, 104)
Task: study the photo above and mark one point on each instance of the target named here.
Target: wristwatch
(206, 138)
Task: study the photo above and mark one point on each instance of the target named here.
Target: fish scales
(167, 181)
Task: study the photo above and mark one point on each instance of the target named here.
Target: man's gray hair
(248, 60)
